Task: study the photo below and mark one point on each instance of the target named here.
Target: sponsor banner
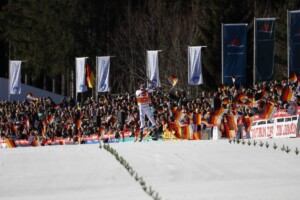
(234, 53)
(279, 128)
(152, 68)
(293, 42)
(262, 131)
(264, 49)
(286, 129)
(103, 64)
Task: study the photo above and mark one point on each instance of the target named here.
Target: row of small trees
(50, 34)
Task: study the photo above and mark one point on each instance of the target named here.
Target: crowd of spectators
(68, 119)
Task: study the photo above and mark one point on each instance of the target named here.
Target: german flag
(286, 94)
(197, 118)
(174, 109)
(248, 122)
(231, 124)
(78, 123)
(56, 106)
(90, 77)
(249, 103)
(15, 128)
(10, 143)
(223, 88)
(179, 116)
(197, 135)
(264, 93)
(204, 121)
(176, 127)
(187, 132)
(50, 119)
(242, 97)
(216, 118)
(293, 79)
(269, 111)
(225, 101)
(298, 78)
(173, 80)
(35, 143)
(279, 90)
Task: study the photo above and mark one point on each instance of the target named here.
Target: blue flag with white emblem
(264, 49)
(14, 77)
(234, 53)
(195, 66)
(103, 64)
(293, 42)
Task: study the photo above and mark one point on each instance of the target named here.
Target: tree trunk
(63, 85)
(53, 85)
(72, 84)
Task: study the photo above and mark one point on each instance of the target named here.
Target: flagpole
(188, 69)
(254, 54)
(288, 43)
(8, 82)
(222, 53)
(96, 84)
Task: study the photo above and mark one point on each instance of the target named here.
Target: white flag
(195, 67)
(103, 63)
(152, 68)
(15, 77)
(80, 75)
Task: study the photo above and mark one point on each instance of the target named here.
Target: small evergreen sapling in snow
(230, 140)
(287, 149)
(297, 151)
(243, 141)
(275, 146)
(261, 144)
(283, 148)
(267, 145)
(249, 142)
(254, 142)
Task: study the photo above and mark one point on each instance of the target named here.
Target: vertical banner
(152, 67)
(264, 49)
(194, 66)
(80, 75)
(293, 42)
(234, 53)
(15, 77)
(103, 66)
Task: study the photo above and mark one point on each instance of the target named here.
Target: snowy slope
(176, 170)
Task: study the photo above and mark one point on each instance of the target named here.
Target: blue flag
(234, 50)
(293, 42)
(264, 49)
